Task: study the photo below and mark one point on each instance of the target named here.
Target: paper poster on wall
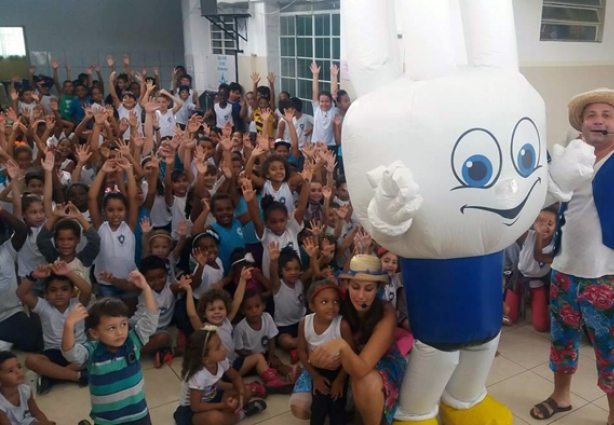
(219, 69)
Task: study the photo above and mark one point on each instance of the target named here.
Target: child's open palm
(60, 268)
(137, 279)
(274, 251)
(248, 190)
(42, 271)
(246, 273)
(182, 228)
(145, 225)
(200, 256)
(78, 314)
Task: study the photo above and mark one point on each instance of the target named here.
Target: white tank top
(223, 115)
(160, 214)
(210, 276)
(283, 195)
(178, 213)
(289, 304)
(332, 332)
(167, 123)
(116, 251)
(29, 256)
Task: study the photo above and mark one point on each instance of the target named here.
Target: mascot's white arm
(395, 202)
(568, 169)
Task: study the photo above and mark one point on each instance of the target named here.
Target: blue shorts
(111, 291)
(184, 414)
(56, 357)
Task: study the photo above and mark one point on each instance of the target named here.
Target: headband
(323, 287)
(248, 258)
(209, 233)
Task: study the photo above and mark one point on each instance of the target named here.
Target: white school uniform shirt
(183, 114)
(252, 123)
(77, 266)
(210, 276)
(289, 304)
(313, 339)
(304, 123)
(178, 213)
(288, 238)
(116, 251)
(29, 256)
(582, 252)
(255, 341)
(52, 321)
(323, 124)
(160, 214)
(391, 289)
(87, 175)
(167, 123)
(165, 300)
(122, 112)
(223, 115)
(20, 414)
(204, 381)
(283, 195)
(25, 108)
(226, 332)
(528, 265)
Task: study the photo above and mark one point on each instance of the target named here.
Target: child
(17, 404)
(288, 296)
(127, 104)
(223, 108)
(60, 282)
(229, 229)
(216, 308)
(176, 187)
(279, 227)
(534, 264)
(187, 107)
(323, 325)
(393, 292)
(114, 355)
(159, 243)
(209, 270)
(324, 113)
(166, 118)
(117, 240)
(204, 400)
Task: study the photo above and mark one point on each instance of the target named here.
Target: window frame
(227, 46)
(571, 5)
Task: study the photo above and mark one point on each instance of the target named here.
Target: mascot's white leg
(464, 401)
(428, 372)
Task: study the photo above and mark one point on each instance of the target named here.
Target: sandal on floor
(548, 408)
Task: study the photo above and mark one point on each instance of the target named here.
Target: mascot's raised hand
(446, 163)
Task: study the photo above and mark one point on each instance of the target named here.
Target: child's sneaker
(84, 378)
(254, 407)
(258, 390)
(294, 356)
(274, 384)
(44, 385)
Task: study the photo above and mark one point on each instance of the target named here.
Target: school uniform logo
(122, 240)
(301, 298)
(264, 341)
(239, 231)
(283, 200)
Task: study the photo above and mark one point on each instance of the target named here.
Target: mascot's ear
(375, 176)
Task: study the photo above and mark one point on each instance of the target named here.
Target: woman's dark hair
(269, 204)
(275, 158)
(151, 263)
(286, 256)
(362, 326)
(327, 94)
(195, 350)
(6, 355)
(112, 307)
(114, 195)
(219, 196)
(209, 297)
(67, 224)
(56, 277)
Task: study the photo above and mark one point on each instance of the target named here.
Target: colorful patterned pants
(575, 302)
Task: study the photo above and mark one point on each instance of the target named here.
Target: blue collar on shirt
(603, 194)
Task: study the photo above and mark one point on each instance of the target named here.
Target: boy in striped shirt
(112, 359)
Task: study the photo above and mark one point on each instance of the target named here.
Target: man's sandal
(548, 408)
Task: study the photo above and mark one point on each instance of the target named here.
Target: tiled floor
(520, 377)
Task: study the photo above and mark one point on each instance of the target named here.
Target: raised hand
(126, 60)
(110, 166)
(266, 115)
(194, 123)
(112, 76)
(316, 228)
(248, 190)
(73, 211)
(145, 224)
(133, 118)
(184, 282)
(274, 251)
(42, 271)
(315, 69)
(54, 64)
(61, 268)
(14, 95)
(53, 103)
(334, 70)
(182, 228)
(123, 147)
(247, 142)
(76, 315)
(96, 68)
(311, 248)
(89, 70)
(200, 256)
(100, 116)
(49, 161)
(110, 61)
(271, 77)
(61, 211)
(288, 116)
(83, 154)
(137, 279)
(246, 273)
(327, 192)
(255, 78)
(49, 122)
(123, 163)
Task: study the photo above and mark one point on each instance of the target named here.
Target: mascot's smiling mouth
(509, 214)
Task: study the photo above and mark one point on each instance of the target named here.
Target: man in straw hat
(582, 290)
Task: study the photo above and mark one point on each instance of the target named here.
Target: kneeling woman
(376, 369)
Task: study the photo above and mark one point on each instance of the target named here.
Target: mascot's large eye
(476, 159)
(526, 147)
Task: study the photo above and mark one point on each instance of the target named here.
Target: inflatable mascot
(446, 166)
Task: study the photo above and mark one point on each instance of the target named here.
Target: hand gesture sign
(255, 78)
(315, 69)
(145, 224)
(49, 161)
(110, 61)
(274, 251)
(137, 279)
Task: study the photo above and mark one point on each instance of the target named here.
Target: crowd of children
(138, 212)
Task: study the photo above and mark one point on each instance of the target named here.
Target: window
(572, 20)
(223, 42)
(304, 39)
(13, 60)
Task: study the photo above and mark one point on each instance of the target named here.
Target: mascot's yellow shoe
(488, 412)
(432, 421)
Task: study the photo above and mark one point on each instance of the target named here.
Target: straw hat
(365, 267)
(579, 102)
